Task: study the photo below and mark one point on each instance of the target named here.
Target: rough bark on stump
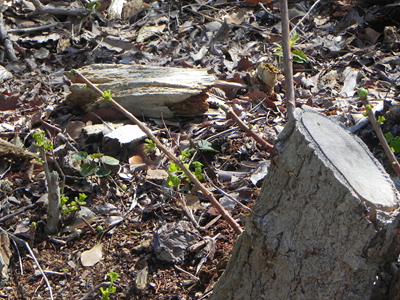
(324, 223)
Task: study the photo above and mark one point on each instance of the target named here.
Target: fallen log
(144, 90)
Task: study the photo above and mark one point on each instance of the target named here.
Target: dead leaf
(74, 128)
(93, 256)
(149, 31)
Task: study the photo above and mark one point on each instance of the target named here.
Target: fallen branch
(235, 226)
(231, 114)
(40, 9)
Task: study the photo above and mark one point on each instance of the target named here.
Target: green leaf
(278, 53)
(299, 56)
(102, 171)
(95, 155)
(395, 144)
(380, 120)
(173, 181)
(94, 4)
(108, 160)
(41, 140)
(88, 169)
(206, 146)
(389, 137)
(82, 155)
(173, 168)
(293, 40)
(107, 95)
(197, 164)
(113, 276)
(81, 199)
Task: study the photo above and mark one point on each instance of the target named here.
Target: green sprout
(175, 173)
(107, 95)
(90, 166)
(394, 142)
(42, 141)
(150, 145)
(110, 289)
(298, 55)
(380, 120)
(74, 205)
(362, 93)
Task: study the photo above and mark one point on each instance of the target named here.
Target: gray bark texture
(325, 224)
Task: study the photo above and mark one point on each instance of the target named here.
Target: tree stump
(326, 220)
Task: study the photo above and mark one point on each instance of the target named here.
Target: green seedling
(95, 163)
(298, 55)
(381, 120)
(42, 141)
(107, 95)
(150, 146)
(73, 205)
(362, 93)
(175, 173)
(111, 289)
(394, 142)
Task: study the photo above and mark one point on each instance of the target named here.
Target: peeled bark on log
(144, 90)
(326, 220)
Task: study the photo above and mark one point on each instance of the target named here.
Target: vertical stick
(287, 59)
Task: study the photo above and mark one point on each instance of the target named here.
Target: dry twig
(231, 114)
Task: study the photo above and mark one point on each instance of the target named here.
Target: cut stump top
(352, 160)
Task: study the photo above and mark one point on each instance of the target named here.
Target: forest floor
(168, 242)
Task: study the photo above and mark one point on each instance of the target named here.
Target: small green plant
(362, 93)
(95, 163)
(74, 205)
(107, 95)
(42, 141)
(298, 55)
(175, 173)
(381, 120)
(111, 289)
(150, 146)
(394, 142)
